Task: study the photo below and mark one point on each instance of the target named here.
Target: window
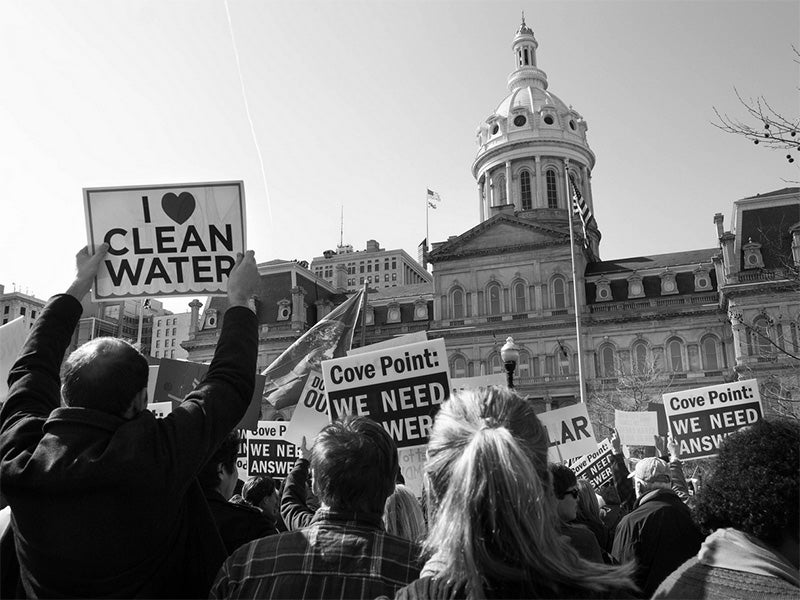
(458, 304)
(493, 294)
(559, 294)
(361, 268)
(525, 190)
(640, 357)
(22, 310)
(158, 333)
(158, 343)
(760, 336)
(5, 309)
(459, 367)
(394, 276)
(360, 280)
(524, 365)
(520, 120)
(519, 297)
(552, 190)
(562, 359)
(386, 277)
(5, 320)
(33, 314)
(174, 331)
(607, 361)
(675, 354)
(709, 352)
(369, 267)
(172, 353)
(496, 365)
(500, 190)
(158, 353)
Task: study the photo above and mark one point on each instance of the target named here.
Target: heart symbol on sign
(178, 208)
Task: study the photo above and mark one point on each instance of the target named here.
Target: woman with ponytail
(493, 525)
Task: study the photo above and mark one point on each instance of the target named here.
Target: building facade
(169, 332)
(15, 304)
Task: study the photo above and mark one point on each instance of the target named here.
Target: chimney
(193, 322)
(373, 246)
(718, 218)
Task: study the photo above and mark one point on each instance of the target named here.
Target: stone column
(538, 201)
(298, 308)
(509, 198)
(481, 202)
(195, 306)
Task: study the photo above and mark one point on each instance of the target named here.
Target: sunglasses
(573, 493)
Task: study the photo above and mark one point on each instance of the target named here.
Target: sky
(361, 106)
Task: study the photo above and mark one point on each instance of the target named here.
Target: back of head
(103, 374)
(650, 474)
(754, 486)
(225, 455)
(588, 507)
(402, 515)
(563, 479)
(354, 464)
(257, 488)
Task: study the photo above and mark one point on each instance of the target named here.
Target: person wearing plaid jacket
(344, 552)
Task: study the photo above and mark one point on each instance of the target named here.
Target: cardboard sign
(472, 383)
(636, 428)
(571, 433)
(596, 466)
(12, 338)
(701, 418)
(169, 240)
(265, 451)
(176, 378)
(311, 413)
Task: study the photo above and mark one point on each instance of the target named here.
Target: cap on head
(651, 470)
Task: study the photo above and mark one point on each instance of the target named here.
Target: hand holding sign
(244, 280)
(87, 267)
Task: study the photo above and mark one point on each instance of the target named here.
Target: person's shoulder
(431, 588)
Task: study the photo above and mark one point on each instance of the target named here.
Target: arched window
(708, 348)
(500, 190)
(559, 293)
(525, 190)
(519, 297)
(552, 189)
(524, 365)
(607, 361)
(675, 355)
(493, 299)
(495, 364)
(459, 367)
(640, 357)
(458, 303)
(760, 335)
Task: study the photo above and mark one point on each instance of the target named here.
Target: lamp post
(509, 353)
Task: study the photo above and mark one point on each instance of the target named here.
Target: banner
(176, 378)
(265, 451)
(165, 240)
(287, 376)
(12, 338)
(701, 418)
(596, 466)
(636, 428)
(570, 431)
(401, 388)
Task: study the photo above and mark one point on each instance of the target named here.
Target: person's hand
(674, 448)
(243, 280)
(86, 267)
(616, 446)
(305, 452)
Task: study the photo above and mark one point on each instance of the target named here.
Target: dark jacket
(109, 507)
(294, 509)
(660, 534)
(237, 523)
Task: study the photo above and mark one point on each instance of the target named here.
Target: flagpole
(570, 212)
(425, 250)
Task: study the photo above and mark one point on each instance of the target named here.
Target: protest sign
(12, 338)
(165, 240)
(311, 413)
(265, 451)
(596, 466)
(176, 378)
(636, 428)
(472, 383)
(570, 431)
(160, 409)
(701, 418)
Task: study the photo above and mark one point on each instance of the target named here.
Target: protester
(296, 510)
(402, 515)
(659, 533)
(610, 510)
(565, 486)
(104, 496)
(626, 495)
(260, 491)
(494, 528)
(750, 503)
(237, 523)
(588, 514)
(344, 553)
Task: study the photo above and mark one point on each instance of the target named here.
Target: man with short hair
(260, 491)
(344, 552)
(659, 533)
(104, 496)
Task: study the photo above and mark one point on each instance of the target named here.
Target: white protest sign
(12, 338)
(401, 388)
(472, 383)
(596, 466)
(167, 240)
(266, 451)
(152, 378)
(570, 431)
(311, 413)
(701, 418)
(636, 428)
(401, 340)
(160, 409)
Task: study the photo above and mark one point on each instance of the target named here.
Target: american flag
(579, 207)
(433, 198)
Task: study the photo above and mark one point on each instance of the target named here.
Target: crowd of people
(102, 499)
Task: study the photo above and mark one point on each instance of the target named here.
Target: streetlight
(509, 353)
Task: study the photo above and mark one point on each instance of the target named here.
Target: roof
(782, 192)
(401, 291)
(655, 261)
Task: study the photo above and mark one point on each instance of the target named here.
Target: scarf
(735, 550)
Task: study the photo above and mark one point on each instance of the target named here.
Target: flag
(331, 337)
(579, 207)
(433, 199)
